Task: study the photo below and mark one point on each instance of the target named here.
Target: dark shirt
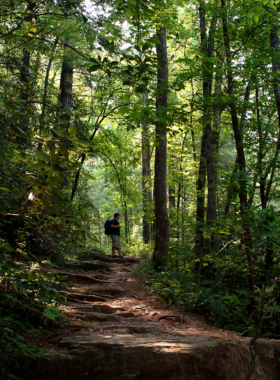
(115, 231)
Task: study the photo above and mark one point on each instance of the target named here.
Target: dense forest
(167, 112)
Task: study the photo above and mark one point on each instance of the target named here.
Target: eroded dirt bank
(117, 330)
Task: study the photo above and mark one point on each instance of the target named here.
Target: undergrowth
(227, 306)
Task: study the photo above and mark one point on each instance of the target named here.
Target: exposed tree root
(91, 297)
(83, 277)
(110, 259)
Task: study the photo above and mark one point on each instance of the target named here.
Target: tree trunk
(24, 88)
(46, 85)
(200, 199)
(207, 47)
(274, 43)
(160, 254)
(66, 86)
(146, 185)
(246, 238)
(171, 191)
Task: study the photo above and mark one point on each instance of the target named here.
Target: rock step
(99, 290)
(87, 265)
(113, 356)
(105, 309)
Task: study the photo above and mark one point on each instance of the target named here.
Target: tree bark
(46, 85)
(274, 43)
(146, 185)
(66, 86)
(24, 88)
(238, 135)
(207, 155)
(160, 254)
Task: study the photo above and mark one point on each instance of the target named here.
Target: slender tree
(160, 191)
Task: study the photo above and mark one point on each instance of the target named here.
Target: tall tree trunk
(146, 178)
(207, 47)
(274, 43)
(200, 199)
(171, 190)
(160, 254)
(232, 189)
(238, 135)
(124, 195)
(146, 185)
(66, 86)
(24, 88)
(46, 85)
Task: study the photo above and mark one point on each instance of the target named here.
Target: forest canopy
(167, 112)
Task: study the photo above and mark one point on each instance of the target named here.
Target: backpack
(107, 227)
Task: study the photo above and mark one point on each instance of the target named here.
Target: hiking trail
(117, 330)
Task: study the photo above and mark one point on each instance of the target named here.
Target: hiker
(115, 235)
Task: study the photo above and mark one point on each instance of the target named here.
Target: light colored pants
(116, 241)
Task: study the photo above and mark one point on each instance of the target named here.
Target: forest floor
(117, 329)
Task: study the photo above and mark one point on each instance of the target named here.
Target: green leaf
(93, 68)
(60, 225)
(251, 13)
(61, 178)
(58, 168)
(146, 46)
(45, 133)
(88, 176)
(51, 313)
(4, 189)
(59, 133)
(123, 110)
(46, 274)
(38, 138)
(129, 13)
(93, 60)
(73, 130)
(40, 155)
(93, 239)
(32, 276)
(84, 218)
(63, 150)
(76, 222)
(58, 194)
(37, 166)
(83, 142)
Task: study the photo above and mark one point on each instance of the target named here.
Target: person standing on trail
(115, 235)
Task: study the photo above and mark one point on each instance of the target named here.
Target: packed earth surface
(117, 329)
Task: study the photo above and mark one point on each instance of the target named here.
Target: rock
(126, 315)
(101, 317)
(79, 306)
(87, 265)
(155, 357)
(89, 297)
(126, 259)
(106, 309)
(100, 290)
(143, 329)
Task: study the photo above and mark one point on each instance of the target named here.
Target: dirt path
(118, 330)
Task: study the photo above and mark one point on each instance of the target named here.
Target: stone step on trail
(110, 355)
(116, 341)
